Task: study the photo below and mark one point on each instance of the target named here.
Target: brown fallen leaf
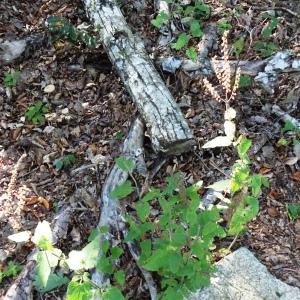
(296, 176)
(37, 199)
(273, 212)
(273, 194)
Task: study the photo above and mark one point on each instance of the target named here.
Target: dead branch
(12, 50)
(111, 213)
(166, 126)
(285, 116)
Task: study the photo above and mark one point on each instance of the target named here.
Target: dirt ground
(91, 113)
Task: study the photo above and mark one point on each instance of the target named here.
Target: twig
(233, 242)
(277, 8)
(285, 116)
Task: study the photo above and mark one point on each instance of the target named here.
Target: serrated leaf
(191, 53)
(43, 236)
(54, 281)
(238, 46)
(160, 19)
(245, 81)
(104, 265)
(23, 236)
(143, 210)
(125, 164)
(181, 42)
(229, 128)
(220, 186)
(219, 141)
(195, 29)
(113, 293)
(293, 210)
(84, 259)
(116, 252)
(119, 277)
(122, 191)
(256, 183)
(243, 147)
(79, 291)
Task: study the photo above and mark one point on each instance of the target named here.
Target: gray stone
(240, 276)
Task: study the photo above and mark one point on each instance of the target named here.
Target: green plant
(61, 28)
(190, 16)
(245, 81)
(294, 134)
(178, 243)
(293, 210)
(11, 78)
(266, 48)
(12, 269)
(223, 25)
(64, 161)
(36, 113)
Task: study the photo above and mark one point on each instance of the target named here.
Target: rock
(241, 276)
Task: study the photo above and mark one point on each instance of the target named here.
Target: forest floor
(90, 113)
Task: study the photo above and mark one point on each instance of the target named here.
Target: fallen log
(166, 126)
(111, 213)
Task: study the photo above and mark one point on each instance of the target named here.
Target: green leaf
(43, 236)
(143, 210)
(113, 293)
(224, 25)
(104, 265)
(195, 29)
(119, 277)
(125, 164)
(84, 259)
(145, 250)
(293, 210)
(181, 42)
(245, 81)
(122, 191)
(243, 214)
(160, 19)
(243, 147)
(238, 46)
(179, 237)
(116, 252)
(54, 281)
(191, 53)
(79, 290)
(105, 246)
(256, 183)
(288, 126)
(59, 164)
(221, 185)
(267, 31)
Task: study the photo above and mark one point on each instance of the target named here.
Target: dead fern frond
(14, 175)
(224, 75)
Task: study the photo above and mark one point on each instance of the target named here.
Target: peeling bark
(166, 126)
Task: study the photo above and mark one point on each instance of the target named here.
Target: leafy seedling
(36, 113)
(293, 210)
(265, 49)
(245, 81)
(11, 78)
(64, 161)
(12, 269)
